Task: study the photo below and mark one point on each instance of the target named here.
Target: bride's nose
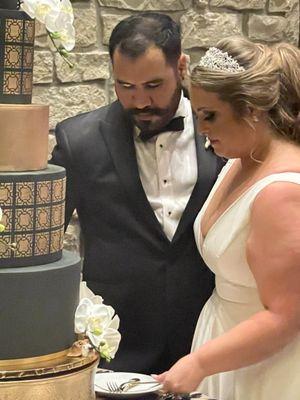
(201, 129)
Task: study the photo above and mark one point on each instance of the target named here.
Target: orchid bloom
(57, 15)
(62, 26)
(44, 11)
(100, 324)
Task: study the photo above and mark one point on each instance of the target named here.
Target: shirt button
(161, 146)
(169, 212)
(165, 181)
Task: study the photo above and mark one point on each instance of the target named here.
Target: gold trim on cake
(72, 384)
(44, 366)
(32, 360)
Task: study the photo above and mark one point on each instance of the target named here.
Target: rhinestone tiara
(218, 60)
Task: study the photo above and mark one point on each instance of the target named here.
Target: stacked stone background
(89, 84)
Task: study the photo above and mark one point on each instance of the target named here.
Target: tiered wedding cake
(39, 282)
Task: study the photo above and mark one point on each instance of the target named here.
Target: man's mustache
(146, 110)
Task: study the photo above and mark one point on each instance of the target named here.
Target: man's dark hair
(134, 35)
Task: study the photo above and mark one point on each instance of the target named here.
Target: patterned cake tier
(16, 56)
(24, 137)
(37, 308)
(33, 214)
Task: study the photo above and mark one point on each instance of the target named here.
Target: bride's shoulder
(279, 200)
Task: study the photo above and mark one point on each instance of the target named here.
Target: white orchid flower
(64, 18)
(62, 26)
(84, 291)
(58, 17)
(66, 37)
(81, 315)
(107, 343)
(66, 11)
(99, 323)
(44, 11)
(91, 316)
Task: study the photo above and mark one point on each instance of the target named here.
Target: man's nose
(141, 99)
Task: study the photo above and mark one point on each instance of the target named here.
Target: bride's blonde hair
(270, 82)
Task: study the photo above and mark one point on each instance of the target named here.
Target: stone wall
(89, 85)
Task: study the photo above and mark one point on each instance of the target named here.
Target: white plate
(101, 381)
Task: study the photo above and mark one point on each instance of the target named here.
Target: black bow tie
(175, 125)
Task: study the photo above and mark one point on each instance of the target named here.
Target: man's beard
(164, 114)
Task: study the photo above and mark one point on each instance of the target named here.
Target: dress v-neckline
(227, 209)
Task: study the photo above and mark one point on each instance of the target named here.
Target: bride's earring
(255, 118)
(255, 159)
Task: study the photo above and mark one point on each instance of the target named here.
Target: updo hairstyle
(270, 82)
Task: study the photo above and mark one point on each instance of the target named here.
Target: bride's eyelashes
(209, 116)
(205, 116)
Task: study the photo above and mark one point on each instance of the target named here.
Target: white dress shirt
(168, 169)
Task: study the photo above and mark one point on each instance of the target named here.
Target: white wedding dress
(236, 298)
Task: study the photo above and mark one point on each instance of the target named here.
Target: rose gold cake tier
(66, 379)
(24, 133)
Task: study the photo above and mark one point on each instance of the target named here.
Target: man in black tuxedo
(137, 183)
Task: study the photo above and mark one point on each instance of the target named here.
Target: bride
(246, 344)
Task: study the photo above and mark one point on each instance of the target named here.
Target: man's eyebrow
(120, 81)
(157, 80)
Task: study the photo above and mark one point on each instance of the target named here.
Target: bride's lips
(213, 141)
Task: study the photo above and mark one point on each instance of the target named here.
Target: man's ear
(183, 64)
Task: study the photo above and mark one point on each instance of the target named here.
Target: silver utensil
(187, 396)
(113, 387)
(102, 370)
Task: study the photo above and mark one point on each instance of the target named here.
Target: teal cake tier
(37, 307)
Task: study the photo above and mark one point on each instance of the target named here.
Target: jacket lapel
(118, 135)
(207, 172)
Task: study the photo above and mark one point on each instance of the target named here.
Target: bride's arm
(273, 252)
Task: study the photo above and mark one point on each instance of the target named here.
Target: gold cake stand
(51, 377)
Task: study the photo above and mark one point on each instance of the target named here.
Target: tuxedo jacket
(156, 286)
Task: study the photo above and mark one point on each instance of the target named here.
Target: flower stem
(62, 52)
